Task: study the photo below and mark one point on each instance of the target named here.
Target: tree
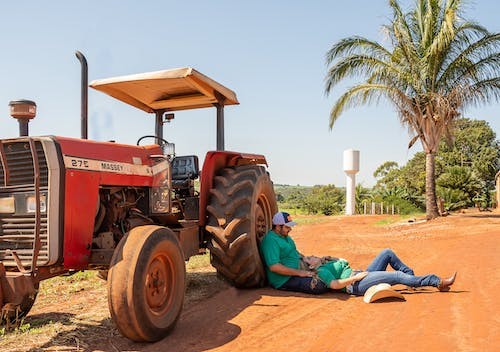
(327, 200)
(436, 65)
(469, 164)
(385, 169)
(465, 169)
(362, 196)
(475, 146)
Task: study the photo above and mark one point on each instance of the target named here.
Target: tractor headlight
(169, 150)
(31, 204)
(7, 205)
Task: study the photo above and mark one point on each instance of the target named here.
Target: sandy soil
(465, 319)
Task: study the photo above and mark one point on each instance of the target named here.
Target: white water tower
(351, 168)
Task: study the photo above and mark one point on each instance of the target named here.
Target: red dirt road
(221, 318)
(265, 320)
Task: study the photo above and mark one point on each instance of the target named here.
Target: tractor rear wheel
(240, 211)
(146, 283)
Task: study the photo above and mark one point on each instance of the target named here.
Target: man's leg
(393, 278)
(387, 256)
(304, 284)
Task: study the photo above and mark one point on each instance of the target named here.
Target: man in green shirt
(282, 260)
(284, 272)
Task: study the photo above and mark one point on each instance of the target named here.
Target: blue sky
(271, 53)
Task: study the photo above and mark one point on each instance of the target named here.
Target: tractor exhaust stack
(85, 93)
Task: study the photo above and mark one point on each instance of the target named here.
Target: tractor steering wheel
(163, 141)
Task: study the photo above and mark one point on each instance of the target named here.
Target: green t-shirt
(339, 269)
(279, 249)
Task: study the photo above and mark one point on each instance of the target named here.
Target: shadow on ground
(202, 325)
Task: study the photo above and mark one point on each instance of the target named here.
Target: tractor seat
(184, 170)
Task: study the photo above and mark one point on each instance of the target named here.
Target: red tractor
(131, 211)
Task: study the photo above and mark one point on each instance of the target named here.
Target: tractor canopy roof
(168, 90)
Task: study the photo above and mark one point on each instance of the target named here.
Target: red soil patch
(267, 320)
(464, 319)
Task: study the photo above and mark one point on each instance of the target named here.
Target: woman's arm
(341, 283)
(284, 270)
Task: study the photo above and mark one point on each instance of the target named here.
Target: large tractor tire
(240, 210)
(146, 283)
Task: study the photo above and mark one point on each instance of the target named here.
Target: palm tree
(436, 65)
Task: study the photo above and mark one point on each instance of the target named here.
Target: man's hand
(305, 273)
(360, 276)
(312, 261)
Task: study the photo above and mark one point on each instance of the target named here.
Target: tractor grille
(17, 180)
(19, 169)
(18, 234)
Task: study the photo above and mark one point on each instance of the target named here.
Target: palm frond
(481, 92)
(356, 45)
(365, 94)
(359, 66)
(477, 51)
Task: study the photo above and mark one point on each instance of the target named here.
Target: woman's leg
(393, 278)
(387, 256)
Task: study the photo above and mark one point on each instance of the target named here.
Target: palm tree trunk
(431, 208)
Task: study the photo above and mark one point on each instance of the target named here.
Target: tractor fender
(216, 160)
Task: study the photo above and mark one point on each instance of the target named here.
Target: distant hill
(283, 192)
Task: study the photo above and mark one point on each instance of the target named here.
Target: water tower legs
(351, 168)
(350, 196)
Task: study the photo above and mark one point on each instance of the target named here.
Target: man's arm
(341, 283)
(284, 270)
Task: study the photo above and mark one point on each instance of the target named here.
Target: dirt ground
(465, 319)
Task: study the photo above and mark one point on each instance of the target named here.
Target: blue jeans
(403, 274)
(304, 284)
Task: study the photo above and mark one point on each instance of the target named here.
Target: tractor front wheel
(146, 283)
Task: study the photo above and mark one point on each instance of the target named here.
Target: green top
(339, 269)
(277, 249)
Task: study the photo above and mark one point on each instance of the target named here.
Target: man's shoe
(444, 284)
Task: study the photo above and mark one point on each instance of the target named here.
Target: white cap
(283, 218)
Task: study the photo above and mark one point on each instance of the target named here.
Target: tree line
(465, 177)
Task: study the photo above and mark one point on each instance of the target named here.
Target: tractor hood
(168, 90)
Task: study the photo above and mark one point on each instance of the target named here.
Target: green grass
(70, 283)
(311, 219)
(294, 211)
(198, 262)
(392, 219)
(25, 328)
(303, 217)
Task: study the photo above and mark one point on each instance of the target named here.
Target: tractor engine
(118, 211)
